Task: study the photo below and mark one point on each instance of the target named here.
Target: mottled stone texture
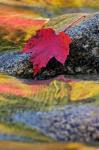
(83, 57)
(84, 50)
(84, 53)
(16, 64)
(71, 123)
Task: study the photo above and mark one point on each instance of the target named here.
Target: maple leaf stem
(75, 22)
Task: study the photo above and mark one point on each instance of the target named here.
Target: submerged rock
(71, 123)
(83, 57)
(12, 137)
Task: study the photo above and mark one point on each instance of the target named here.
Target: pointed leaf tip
(45, 45)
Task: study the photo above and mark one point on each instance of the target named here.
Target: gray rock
(84, 53)
(16, 64)
(83, 57)
(84, 50)
(71, 123)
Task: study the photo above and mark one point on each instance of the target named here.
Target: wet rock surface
(83, 57)
(71, 123)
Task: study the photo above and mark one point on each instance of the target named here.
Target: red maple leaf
(45, 45)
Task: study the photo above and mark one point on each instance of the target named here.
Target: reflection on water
(47, 8)
(18, 95)
(51, 146)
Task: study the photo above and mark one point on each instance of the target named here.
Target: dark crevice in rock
(83, 58)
